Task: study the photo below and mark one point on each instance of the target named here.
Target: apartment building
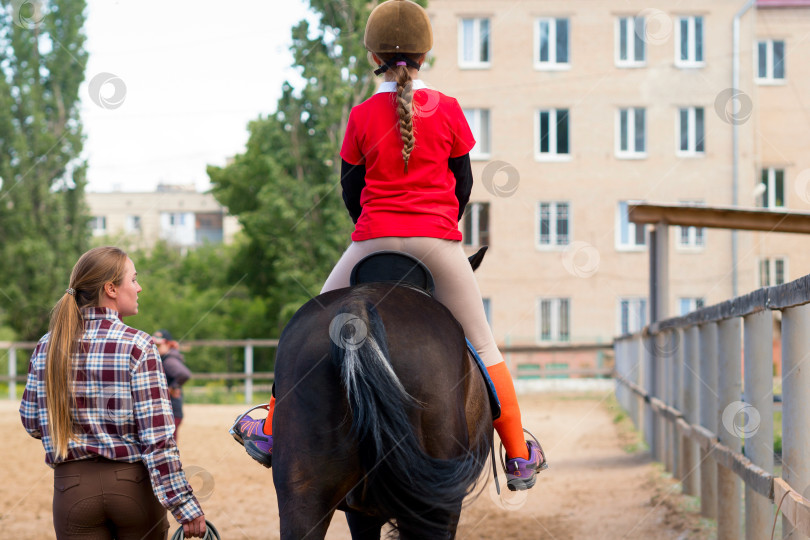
(580, 107)
(178, 215)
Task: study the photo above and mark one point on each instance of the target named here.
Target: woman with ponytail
(97, 398)
(406, 180)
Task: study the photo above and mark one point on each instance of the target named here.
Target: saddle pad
(392, 267)
(494, 402)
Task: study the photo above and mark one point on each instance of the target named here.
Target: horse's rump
(383, 408)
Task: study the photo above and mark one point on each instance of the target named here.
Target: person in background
(96, 397)
(177, 373)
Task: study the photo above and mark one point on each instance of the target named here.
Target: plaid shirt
(122, 410)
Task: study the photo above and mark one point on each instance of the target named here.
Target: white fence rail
(13, 347)
(681, 381)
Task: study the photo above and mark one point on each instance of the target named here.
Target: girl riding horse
(406, 179)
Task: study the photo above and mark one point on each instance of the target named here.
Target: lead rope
(211, 532)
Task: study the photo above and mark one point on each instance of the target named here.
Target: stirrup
(543, 464)
(232, 431)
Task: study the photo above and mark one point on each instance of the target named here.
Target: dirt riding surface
(594, 488)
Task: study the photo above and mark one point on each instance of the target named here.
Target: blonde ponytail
(405, 111)
(65, 328)
(93, 270)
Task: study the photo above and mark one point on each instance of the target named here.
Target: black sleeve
(352, 180)
(464, 180)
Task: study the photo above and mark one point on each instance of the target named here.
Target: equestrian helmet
(398, 26)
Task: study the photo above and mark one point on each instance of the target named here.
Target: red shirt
(422, 202)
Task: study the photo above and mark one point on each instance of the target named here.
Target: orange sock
(268, 424)
(508, 426)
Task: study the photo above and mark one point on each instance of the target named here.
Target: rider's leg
(457, 289)
(267, 428)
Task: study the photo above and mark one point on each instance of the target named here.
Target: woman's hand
(195, 528)
(175, 392)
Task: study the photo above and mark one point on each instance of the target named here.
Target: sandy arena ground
(593, 488)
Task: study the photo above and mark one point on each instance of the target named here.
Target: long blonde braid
(405, 111)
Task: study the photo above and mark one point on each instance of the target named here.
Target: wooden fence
(681, 381)
(248, 376)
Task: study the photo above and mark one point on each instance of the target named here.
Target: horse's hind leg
(364, 527)
(304, 521)
(441, 525)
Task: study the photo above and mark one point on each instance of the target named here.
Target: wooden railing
(681, 382)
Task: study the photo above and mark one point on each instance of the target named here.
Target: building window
(631, 136)
(177, 220)
(488, 310)
(98, 225)
(554, 319)
(629, 42)
(770, 61)
(629, 236)
(555, 224)
(478, 119)
(691, 237)
(133, 224)
(553, 134)
(688, 305)
(689, 42)
(772, 271)
(632, 315)
(551, 44)
(773, 188)
(474, 47)
(692, 131)
(476, 224)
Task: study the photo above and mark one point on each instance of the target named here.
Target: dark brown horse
(380, 412)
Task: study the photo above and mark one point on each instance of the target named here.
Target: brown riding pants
(99, 499)
(456, 286)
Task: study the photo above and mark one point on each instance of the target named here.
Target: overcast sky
(171, 85)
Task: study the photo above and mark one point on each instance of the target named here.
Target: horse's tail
(401, 478)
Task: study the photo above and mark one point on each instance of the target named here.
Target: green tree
(191, 297)
(43, 223)
(285, 187)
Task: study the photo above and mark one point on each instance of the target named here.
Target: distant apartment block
(177, 215)
(579, 108)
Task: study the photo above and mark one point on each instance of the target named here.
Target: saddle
(404, 269)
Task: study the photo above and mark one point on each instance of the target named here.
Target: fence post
(728, 406)
(676, 391)
(649, 387)
(708, 417)
(691, 471)
(758, 428)
(12, 373)
(248, 373)
(795, 408)
(663, 363)
(618, 354)
(636, 375)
